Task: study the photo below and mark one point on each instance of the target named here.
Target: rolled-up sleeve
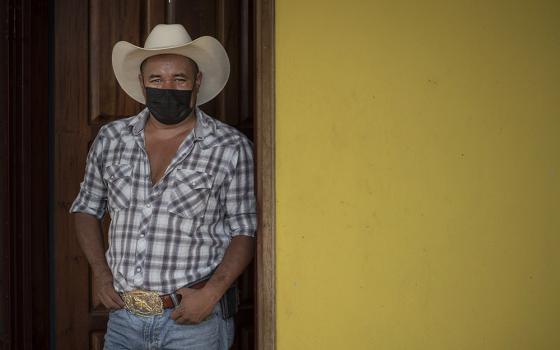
(92, 198)
(241, 211)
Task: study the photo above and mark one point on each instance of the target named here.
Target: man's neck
(153, 126)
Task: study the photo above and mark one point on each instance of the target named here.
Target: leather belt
(148, 303)
(167, 299)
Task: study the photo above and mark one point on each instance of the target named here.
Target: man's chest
(160, 154)
(187, 176)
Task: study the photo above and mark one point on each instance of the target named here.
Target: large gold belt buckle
(143, 302)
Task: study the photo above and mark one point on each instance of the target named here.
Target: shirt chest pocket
(190, 193)
(119, 185)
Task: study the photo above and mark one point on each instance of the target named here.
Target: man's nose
(169, 84)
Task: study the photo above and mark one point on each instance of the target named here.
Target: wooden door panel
(96, 340)
(109, 22)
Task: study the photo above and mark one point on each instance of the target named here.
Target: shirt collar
(138, 122)
(203, 131)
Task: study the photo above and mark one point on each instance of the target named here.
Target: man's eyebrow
(182, 75)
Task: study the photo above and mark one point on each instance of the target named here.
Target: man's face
(170, 72)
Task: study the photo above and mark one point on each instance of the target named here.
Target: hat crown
(167, 35)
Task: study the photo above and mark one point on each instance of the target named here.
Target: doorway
(86, 96)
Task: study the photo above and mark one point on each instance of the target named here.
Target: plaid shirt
(175, 233)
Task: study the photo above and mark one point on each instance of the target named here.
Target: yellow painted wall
(418, 174)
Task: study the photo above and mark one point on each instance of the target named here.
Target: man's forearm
(90, 238)
(238, 255)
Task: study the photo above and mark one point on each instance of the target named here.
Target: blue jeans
(128, 331)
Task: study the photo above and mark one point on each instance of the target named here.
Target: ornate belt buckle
(143, 302)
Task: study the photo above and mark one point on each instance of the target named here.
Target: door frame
(24, 175)
(265, 177)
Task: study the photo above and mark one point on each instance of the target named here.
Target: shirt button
(148, 205)
(138, 269)
(142, 235)
(193, 183)
(141, 246)
(112, 176)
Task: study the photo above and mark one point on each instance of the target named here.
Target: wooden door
(87, 96)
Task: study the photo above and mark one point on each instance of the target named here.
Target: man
(179, 188)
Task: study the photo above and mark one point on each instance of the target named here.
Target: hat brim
(207, 52)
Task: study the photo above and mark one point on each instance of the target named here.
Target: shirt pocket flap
(195, 179)
(117, 171)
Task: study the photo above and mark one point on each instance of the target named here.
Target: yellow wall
(418, 174)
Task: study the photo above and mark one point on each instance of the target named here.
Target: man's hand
(107, 294)
(196, 305)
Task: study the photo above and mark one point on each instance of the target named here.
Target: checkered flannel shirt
(175, 233)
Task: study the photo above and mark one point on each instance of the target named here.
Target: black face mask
(169, 106)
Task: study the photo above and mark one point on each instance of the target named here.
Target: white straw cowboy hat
(207, 52)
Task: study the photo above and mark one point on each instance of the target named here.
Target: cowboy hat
(207, 52)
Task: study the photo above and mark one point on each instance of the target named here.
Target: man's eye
(180, 80)
(155, 81)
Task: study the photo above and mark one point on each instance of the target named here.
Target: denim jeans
(128, 331)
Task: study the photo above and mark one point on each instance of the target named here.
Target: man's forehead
(165, 59)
